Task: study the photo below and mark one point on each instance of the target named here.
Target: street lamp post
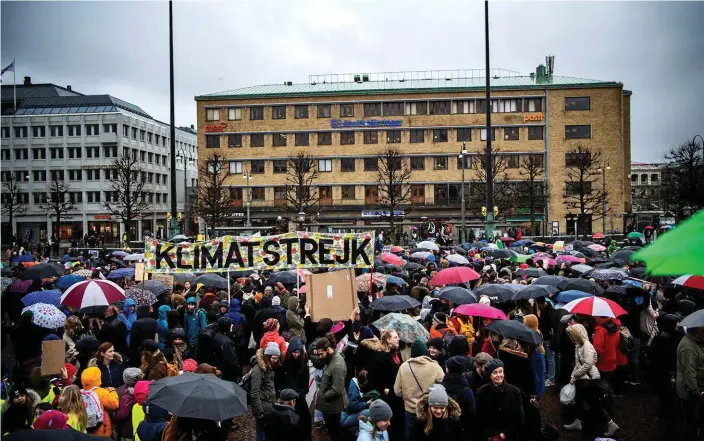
(174, 230)
(489, 222)
(463, 152)
(602, 170)
(247, 178)
(301, 219)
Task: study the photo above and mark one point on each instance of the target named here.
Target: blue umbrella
(23, 258)
(51, 297)
(523, 243)
(119, 253)
(65, 282)
(121, 273)
(572, 294)
(395, 281)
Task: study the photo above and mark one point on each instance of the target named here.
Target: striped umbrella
(92, 294)
(50, 297)
(690, 281)
(595, 307)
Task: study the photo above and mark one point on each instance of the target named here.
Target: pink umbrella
(569, 258)
(596, 247)
(392, 259)
(453, 276)
(92, 294)
(302, 290)
(396, 249)
(480, 310)
(541, 254)
(595, 307)
(549, 260)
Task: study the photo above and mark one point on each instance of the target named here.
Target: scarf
(179, 349)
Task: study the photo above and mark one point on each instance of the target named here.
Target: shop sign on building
(380, 213)
(215, 128)
(533, 117)
(348, 123)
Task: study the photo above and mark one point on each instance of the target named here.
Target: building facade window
(575, 159)
(393, 136)
(36, 153)
(38, 131)
(278, 112)
(511, 133)
(4, 132)
(256, 140)
(109, 128)
(92, 152)
(417, 163)
(301, 112)
(439, 135)
(258, 193)
(256, 167)
(371, 164)
(74, 130)
(467, 162)
(302, 139)
(325, 165)
(463, 106)
(417, 135)
(212, 114)
(212, 141)
(578, 132)
(347, 164)
(143, 135)
(464, 134)
(235, 167)
(234, 114)
(533, 105)
(346, 110)
(418, 193)
(348, 192)
(393, 109)
(75, 152)
(234, 140)
(92, 129)
(324, 138)
(512, 161)
(256, 113)
(578, 103)
(346, 138)
(417, 108)
(278, 139)
(56, 152)
(482, 134)
(440, 162)
(535, 133)
(371, 137)
(134, 133)
(372, 109)
(324, 110)
(575, 189)
(56, 130)
(20, 132)
(371, 193)
(440, 107)
(280, 165)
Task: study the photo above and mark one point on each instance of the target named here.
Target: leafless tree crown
(301, 175)
(214, 202)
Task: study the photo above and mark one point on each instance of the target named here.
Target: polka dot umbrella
(46, 316)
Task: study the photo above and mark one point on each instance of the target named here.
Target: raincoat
(90, 379)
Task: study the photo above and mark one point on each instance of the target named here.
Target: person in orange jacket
(271, 334)
(90, 379)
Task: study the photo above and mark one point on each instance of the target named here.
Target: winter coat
(585, 356)
(517, 369)
(123, 416)
(157, 369)
(153, 425)
(281, 317)
(365, 432)
(457, 388)
(380, 364)
(16, 416)
(90, 379)
(162, 327)
(225, 357)
(606, 341)
(282, 423)
(537, 362)
(238, 318)
(332, 396)
(273, 336)
(414, 379)
(488, 347)
(690, 368)
(192, 323)
(499, 410)
(115, 331)
(284, 299)
(295, 374)
(263, 389)
(144, 328)
(357, 403)
(110, 375)
(127, 317)
(295, 322)
(443, 428)
(71, 351)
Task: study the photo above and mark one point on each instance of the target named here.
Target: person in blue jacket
(240, 332)
(357, 404)
(154, 423)
(129, 313)
(162, 327)
(193, 321)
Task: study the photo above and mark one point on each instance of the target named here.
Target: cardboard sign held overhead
(53, 356)
(166, 278)
(139, 271)
(331, 295)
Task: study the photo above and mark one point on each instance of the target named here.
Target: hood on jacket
(292, 303)
(578, 333)
(224, 325)
(163, 309)
(191, 301)
(90, 378)
(373, 344)
(235, 305)
(420, 361)
(259, 357)
(295, 344)
(141, 391)
(128, 303)
(423, 409)
(608, 324)
(512, 346)
(266, 302)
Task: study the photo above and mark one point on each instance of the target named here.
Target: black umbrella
(588, 252)
(549, 280)
(531, 272)
(598, 261)
(285, 277)
(394, 303)
(377, 262)
(514, 329)
(496, 293)
(502, 253)
(460, 250)
(5, 272)
(202, 396)
(212, 280)
(534, 291)
(620, 290)
(632, 248)
(413, 266)
(458, 295)
(72, 259)
(581, 244)
(184, 277)
(391, 267)
(117, 262)
(623, 255)
(42, 271)
(51, 435)
(581, 285)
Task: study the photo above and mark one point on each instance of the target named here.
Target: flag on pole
(10, 67)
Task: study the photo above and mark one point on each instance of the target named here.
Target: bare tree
(583, 191)
(503, 190)
(683, 178)
(213, 202)
(532, 189)
(394, 174)
(301, 174)
(58, 202)
(126, 197)
(12, 204)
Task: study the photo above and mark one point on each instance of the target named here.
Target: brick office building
(345, 121)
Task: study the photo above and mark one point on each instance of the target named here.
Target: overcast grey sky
(121, 48)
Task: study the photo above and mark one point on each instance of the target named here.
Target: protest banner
(332, 295)
(53, 356)
(279, 252)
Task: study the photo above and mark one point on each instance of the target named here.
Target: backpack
(238, 331)
(466, 329)
(625, 342)
(447, 335)
(93, 409)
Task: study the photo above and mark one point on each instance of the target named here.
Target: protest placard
(53, 356)
(331, 295)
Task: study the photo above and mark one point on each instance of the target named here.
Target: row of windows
(372, 136)
(91, 197)
(654, 178)
(77, 175)
(434, 107)
(369, 164)
(40, 153)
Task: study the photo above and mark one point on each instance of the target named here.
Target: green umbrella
(635, 235)
(679, 251)
(520, 258)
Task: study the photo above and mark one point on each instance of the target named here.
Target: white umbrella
(421, 254)
(456, 258)
(428, 245)
(134, 257)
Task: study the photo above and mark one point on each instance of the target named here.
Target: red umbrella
(598, 236)
(453, 276)
(392, 259)
(689, 281)
(480, 310)
(595, 306)
(507, 239)
(92, 294)
(396, 249)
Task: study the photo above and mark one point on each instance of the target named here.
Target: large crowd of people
(418, 359)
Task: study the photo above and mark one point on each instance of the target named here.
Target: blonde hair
(71, 325)
(429, 422)
(70, 402)
(385, 336)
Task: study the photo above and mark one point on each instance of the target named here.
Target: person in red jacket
(606, 343)
(271, 334)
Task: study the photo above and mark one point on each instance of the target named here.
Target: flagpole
(14, 84)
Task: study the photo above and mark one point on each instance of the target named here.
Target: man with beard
(332, 396)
